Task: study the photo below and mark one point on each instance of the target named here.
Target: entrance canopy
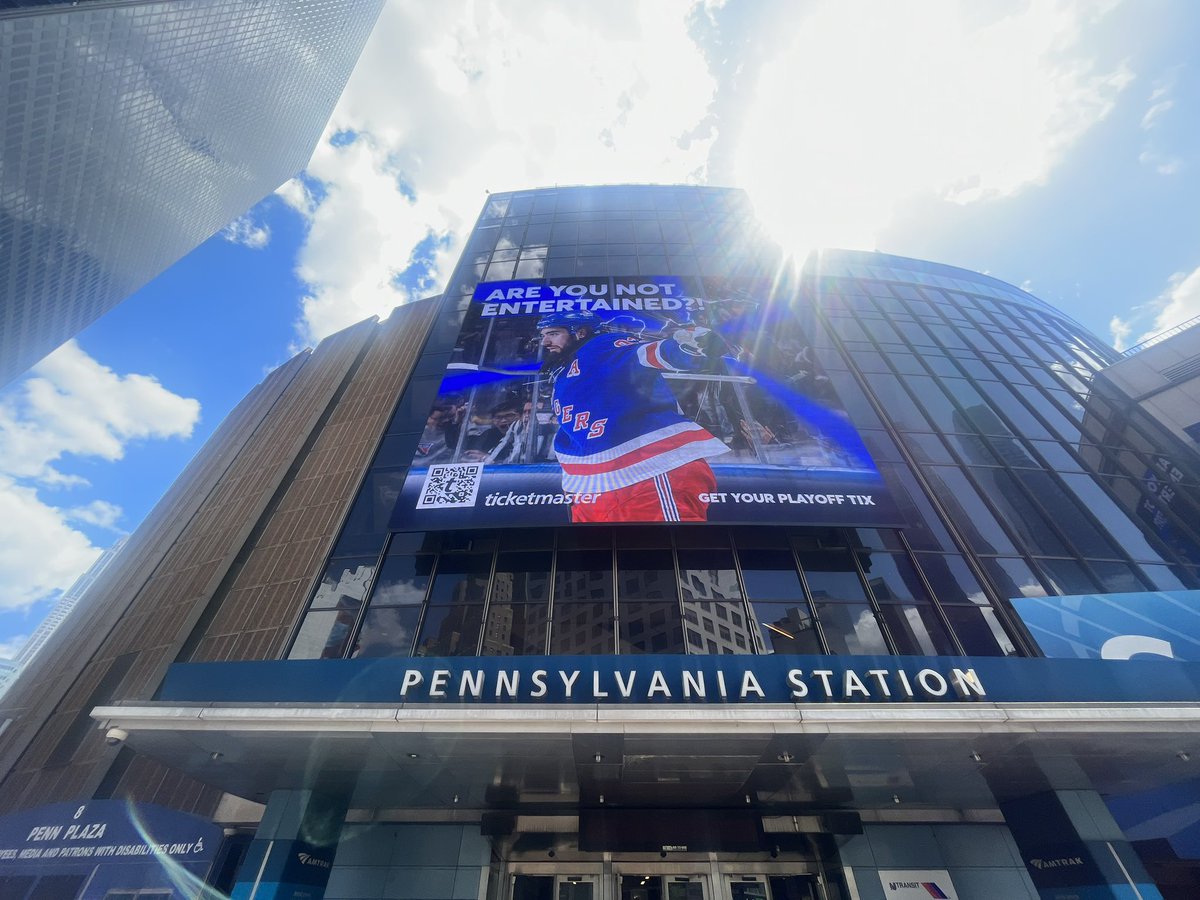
(793, 759)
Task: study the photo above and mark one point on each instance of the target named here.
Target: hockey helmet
(570, 321)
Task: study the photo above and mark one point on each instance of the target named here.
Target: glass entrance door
(662, 887)
(554, 887)
(774, 887)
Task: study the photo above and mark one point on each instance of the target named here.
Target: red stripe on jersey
(652, 356)
(646, 451)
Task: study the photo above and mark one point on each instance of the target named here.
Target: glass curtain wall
(1013, 477)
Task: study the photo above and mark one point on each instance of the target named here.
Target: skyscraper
(63, 607)
(132, 131)
(803, 584)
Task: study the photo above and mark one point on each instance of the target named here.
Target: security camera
(116, 736)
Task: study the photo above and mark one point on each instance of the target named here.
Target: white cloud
(873, 104)
(1178, 303)
(100, 513)
(1160, 103)
(245, 231)
(1121, 330)
(11, 647)
(69, 406)
(455, 99)
(39, 550)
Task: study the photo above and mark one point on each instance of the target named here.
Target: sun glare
(872, 107)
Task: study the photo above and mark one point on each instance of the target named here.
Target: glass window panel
(832, 576)
(646, 575)
(1018, 509)
(881, 331)
(877, 539)
(1167, 578)
(1067, 576)
(450, 630)
(896, 402)
(770, 575)
(854, 400)
(979, 631)
(923, 527)
(892, 577)
(344, 583)
(1067, 430)
(1117, 521)
(537, 234)
(786, 628)
(387, 632)
(530, 268)
(708, 575)
(643, 537)
(1057, 457)
(905, 363)
(651, 628)
(402, 580)
(968, 511)
(499, 271)
(847, 329)
(917, 631)
(851, 628)
(565, 233)
(941, 366)
(712, 536)
(323, 635)
(522, 578)
(1117, 577)
(583, 575)
(927, 448)
(461, 578)
(582, 628)
(951, 579)
(869, 361)
(620, 231)
(935, 402)
(1013, 578)
(1007, 403)
(515, 629)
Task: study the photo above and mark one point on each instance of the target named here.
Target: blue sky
(1053, 144)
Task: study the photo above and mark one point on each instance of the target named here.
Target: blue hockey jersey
(618, 422)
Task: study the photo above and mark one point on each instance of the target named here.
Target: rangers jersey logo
(574, 370)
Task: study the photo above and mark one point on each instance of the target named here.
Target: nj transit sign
(641, 399)
(1158, 625)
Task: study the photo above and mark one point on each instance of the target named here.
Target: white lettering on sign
(1127, 646)
(658, 685)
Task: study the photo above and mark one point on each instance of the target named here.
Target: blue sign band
(661, 679)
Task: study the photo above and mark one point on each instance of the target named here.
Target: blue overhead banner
(1147, 625)
(640, 399)
(663, 679)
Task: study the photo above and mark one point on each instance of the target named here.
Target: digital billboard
(642, 399)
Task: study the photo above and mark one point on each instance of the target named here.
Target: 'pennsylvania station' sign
(662, 679)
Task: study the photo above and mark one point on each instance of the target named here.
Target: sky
(1052, 144)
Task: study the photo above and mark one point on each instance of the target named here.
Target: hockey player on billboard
(621, 434)
(641, 399)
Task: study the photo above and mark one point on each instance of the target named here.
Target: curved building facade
(642, 565)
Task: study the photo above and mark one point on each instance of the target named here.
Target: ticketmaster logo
(930, 886)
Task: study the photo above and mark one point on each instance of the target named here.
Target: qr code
(450, 485)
